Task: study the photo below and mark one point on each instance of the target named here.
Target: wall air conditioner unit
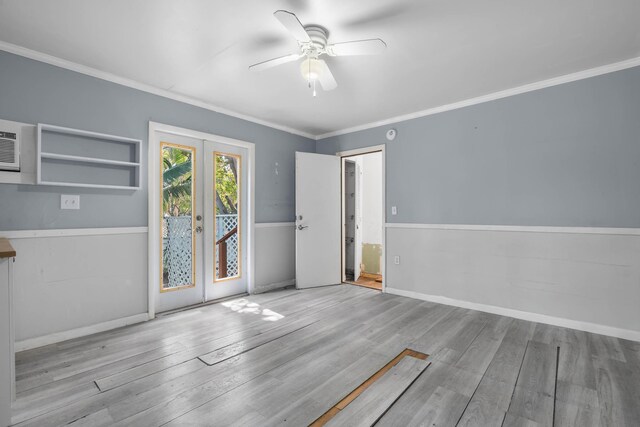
(10, 150)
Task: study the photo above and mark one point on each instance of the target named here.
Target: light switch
(396, 260)
(69, 201)
(394, 210)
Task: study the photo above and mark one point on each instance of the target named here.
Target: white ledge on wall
(521, 228)
(63, 232)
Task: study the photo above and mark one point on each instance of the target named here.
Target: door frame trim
(153, 169)
(358, 152)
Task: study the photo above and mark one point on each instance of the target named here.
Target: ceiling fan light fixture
(311, 68)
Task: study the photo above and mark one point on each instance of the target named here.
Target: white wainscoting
(70, 283)
(581, 278)
(275, 255)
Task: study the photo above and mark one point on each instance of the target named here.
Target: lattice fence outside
(176, 248)
(224, 224)
(177, 251)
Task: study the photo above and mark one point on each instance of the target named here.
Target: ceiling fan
(312, 44)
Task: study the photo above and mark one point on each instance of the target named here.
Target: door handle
(302, 227)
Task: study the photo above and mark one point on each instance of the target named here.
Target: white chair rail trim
(520, 228)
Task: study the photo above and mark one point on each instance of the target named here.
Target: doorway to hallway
(362, 219)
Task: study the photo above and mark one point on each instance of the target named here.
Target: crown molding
(82, 69)
(89, 71)
(580, 75)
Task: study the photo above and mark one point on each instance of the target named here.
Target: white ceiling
(439, 51)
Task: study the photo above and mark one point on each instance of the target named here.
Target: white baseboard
(31, 343)
(272, 286)
(524, 315)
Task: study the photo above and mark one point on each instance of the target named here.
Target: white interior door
(226, 214)
(318, 229)
(181, 214)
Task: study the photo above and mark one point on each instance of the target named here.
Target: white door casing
(318, 220)
(358, 234)
(365, 150)
(348, 216)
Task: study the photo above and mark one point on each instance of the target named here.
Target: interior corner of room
(425, 213)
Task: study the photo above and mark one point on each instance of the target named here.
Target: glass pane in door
(227, 216)
(177, 209)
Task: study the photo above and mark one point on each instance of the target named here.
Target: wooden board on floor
(372, 403)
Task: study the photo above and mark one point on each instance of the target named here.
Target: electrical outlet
(394, 210)
(396, 260)
(69, 201)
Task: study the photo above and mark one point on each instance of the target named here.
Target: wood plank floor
(286, 357)
(368, 282)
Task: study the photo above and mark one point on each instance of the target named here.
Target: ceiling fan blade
(359, 47)
(326, 79)
(292, 24)
(274, 62)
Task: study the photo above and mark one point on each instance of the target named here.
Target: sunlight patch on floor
(243, 306)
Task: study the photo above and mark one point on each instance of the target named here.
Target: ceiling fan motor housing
(318, 36)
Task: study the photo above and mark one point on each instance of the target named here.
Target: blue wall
(567, 155)
(33, 92)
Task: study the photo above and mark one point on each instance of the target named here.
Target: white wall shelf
(77, 158)
(81, 159)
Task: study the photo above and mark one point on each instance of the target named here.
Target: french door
(225, 236)
(203, 221)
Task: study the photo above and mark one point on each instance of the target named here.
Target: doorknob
(199, 229)
(302, 227)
